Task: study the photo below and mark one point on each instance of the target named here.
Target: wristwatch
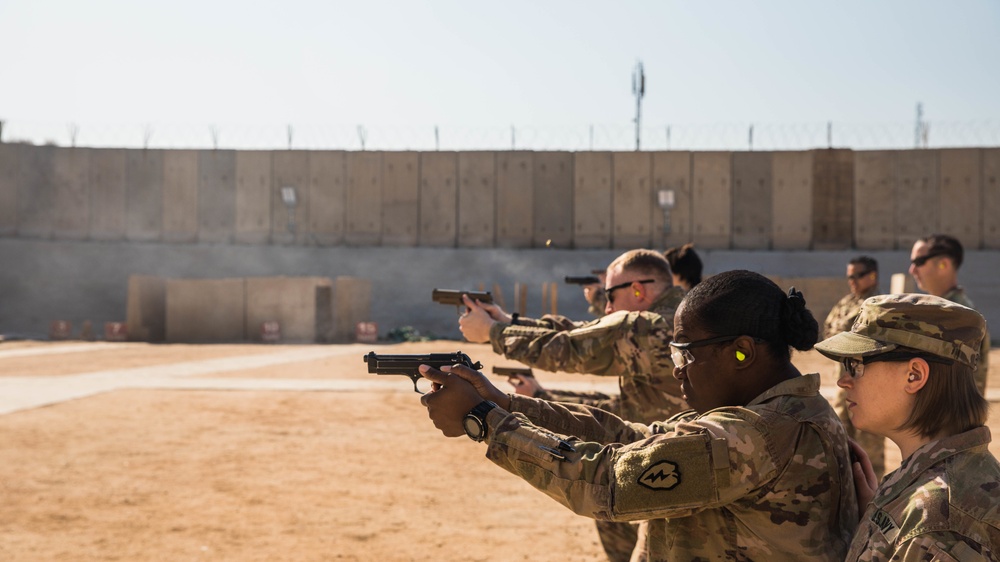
(475, 421)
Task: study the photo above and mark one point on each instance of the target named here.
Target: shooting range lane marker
(22, 393)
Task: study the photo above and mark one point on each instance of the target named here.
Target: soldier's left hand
(452, 397)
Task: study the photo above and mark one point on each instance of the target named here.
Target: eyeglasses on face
(919, 261)
(682, 357)
(610, 291)
(855, 366)
(858, 275)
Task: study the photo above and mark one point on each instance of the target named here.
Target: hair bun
(796, 297)
(800, 328)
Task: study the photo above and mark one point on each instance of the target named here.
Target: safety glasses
(610, 291)
(921, 260)
(855, 366)
(682, 357)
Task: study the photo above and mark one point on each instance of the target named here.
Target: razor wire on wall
(724, 136)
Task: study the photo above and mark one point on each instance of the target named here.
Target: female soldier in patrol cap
(909, 363)
(759, 470)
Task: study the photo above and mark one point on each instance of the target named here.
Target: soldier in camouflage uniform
(862, 278)
(934, 263)
(630, 342)
(909, 361)
(759, 470)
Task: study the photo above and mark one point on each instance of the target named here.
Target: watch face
(473, 428)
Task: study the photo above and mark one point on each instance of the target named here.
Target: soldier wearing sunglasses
(629, 342)
(908, 374)
(862, 279)
(934, 264)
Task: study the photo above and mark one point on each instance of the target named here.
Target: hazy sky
(545, 64)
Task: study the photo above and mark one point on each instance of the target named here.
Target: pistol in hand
(407, 365)
(449, 296)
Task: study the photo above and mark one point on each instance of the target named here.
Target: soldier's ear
(918, 371)
(745, 351)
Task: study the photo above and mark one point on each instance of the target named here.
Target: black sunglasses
(855, 366)
(611, 290)
(921, 260)
(859, 275)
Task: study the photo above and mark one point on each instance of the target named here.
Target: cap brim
(849, 344)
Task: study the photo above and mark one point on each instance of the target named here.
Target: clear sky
(529, 64)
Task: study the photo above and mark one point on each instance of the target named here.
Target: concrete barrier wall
(290, 301)
(632, 200)
(10, 171)
(554, 201)
(401, 199)
(592, 199)
(205, 310)
(821, 199)
(107, 194)
(515, 185)
(46, 280)
(991, 198)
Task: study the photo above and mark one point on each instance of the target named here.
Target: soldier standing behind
(630, 342)
(934, 263)
(685, 266)
(909, 361)
(862, 278)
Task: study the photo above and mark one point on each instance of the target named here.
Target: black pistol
(581, 280)
(407, 364)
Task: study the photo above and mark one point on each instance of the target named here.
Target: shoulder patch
(660, 476)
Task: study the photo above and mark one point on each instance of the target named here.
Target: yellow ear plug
(637, 293)
(740, 356)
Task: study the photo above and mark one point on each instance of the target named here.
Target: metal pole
(639, 89)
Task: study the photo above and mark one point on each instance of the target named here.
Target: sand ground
(247, 453)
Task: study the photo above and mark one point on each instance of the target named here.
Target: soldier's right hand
(494, 310)
(475, 324)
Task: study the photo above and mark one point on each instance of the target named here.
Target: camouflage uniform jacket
(845, 312)
(957, 295)
(943, 503)
(767, 481)
(632, 346)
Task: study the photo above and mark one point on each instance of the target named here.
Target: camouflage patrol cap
(924, 322)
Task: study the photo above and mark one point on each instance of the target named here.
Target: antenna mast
(639, 90)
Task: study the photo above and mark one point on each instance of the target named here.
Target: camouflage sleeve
(940, 546)
(702, 464)
(583, 421)
(591, 398)
(589, 348)
(533, 322)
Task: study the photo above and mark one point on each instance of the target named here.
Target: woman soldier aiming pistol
(909, 362)
(759, 470)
